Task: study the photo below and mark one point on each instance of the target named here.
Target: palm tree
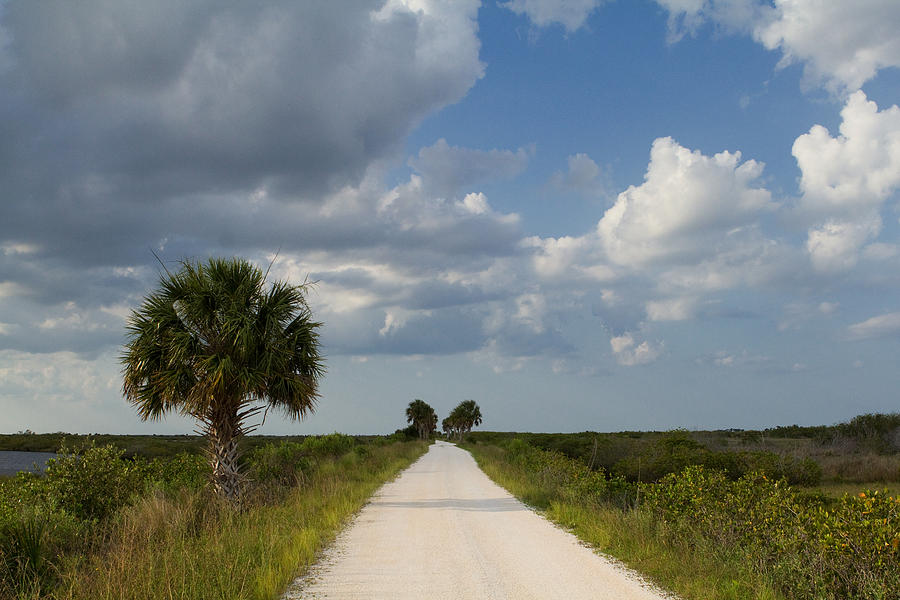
(420, 414)
(216, 343)
(472, 413)
(466, 415)
(447, 427)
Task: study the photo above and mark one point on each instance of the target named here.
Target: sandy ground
(444, 530)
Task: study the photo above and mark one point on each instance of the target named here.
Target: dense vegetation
(100, 524)
(715, 514)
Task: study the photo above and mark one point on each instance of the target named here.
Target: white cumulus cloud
(846, 179)
(687, 203)
(629, 353)
(840, 44)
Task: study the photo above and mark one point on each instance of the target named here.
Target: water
(12, 461)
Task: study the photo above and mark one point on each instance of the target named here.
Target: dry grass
(860, 467)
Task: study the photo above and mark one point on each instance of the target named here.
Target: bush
(182, 471)
(283, 464)
(796, 471)
(570, 478)
(673, 453)
(813, 548)
(93, 483)
(407, 434)
(333, 444)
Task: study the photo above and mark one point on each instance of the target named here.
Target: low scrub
(706, 534)
(101, 526)
(813, 547)
(557, 475)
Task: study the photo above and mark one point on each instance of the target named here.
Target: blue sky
(583, 215)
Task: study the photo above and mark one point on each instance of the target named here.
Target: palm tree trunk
(223, 431)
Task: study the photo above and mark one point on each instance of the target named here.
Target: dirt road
(444, 530)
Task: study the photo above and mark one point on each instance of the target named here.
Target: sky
(582, 214)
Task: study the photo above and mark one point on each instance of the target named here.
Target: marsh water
(13, 461)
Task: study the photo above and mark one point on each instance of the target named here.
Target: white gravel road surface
(444, 530)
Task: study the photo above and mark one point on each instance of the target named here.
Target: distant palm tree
(447, 427)
(216, 343)
(466, 415)
(420, 414)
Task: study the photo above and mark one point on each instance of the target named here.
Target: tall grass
(189, 545)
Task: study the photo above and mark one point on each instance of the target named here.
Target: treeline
(650, 457)
(875, 431)
(863, 449)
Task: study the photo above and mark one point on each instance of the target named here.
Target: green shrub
(814, 548)
(92, 483)
(182, 471)
(673, 453)
(570, 478)
(406, 434)
(284, 463)
(333, 444)
(21, 492)
(796, 471)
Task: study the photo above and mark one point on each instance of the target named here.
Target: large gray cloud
(185, 129)
(113, 111)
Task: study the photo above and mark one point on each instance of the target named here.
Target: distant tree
(455, 423)
(447, 427)
(466, 415)
(422, 416)
(217, 343)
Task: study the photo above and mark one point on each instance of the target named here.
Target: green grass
(190, 546)
(691, 568)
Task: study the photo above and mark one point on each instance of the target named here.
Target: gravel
(444, 530)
